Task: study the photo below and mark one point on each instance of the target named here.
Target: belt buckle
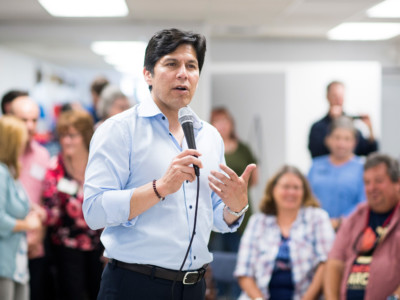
(187, 280)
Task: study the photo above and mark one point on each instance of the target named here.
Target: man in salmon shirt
(34, 161)
(364, 262)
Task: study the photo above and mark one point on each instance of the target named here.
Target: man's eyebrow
(175, 60)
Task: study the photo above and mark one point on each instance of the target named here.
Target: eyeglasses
(70, 135)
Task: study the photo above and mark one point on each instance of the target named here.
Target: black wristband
(156, 192)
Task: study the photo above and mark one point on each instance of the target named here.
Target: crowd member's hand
(367, 120)
(180, 170)
(33, 221)
(231, 188)
(41, 212)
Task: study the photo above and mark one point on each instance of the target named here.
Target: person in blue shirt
(337, 179)
(141, 187)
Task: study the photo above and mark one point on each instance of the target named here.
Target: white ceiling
(27, 27)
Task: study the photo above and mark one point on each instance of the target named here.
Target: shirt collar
(149, 108)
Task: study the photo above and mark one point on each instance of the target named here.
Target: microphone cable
(191, 239)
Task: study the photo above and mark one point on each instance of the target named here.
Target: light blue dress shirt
(339, 189)
(130, 150)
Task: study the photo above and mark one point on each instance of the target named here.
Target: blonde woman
(284, 247)
(15, 218)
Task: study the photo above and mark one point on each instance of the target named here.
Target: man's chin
(376, 205)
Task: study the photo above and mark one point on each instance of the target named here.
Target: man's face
(336, 95)
(382, 193)
(174, 79)
(27, 111)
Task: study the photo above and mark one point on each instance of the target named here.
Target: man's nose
(182, 71)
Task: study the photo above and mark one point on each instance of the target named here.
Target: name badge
(37, 172)
(67, 186)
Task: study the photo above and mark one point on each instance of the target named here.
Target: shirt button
(187, 181)
(194, 257)
(163, 117)
(190, 206)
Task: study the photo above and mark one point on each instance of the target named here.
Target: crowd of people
(47, 249)
(113, 214)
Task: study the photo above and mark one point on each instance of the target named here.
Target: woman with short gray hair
(112, 101)
(336, 179)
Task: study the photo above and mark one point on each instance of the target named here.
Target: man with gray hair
(364, 262)
(35, 161)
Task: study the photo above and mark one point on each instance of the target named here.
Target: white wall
(17, 71)
(390, 112)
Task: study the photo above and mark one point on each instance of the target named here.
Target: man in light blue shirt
(141, 187)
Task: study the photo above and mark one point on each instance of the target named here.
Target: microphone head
(185, 115)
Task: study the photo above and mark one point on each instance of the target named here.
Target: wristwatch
(238, 214)
(393, 297)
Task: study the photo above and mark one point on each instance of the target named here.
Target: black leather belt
(187, 277)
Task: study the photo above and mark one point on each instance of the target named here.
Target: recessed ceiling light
(364, 31)
(123, 55)
(385, 9)
(85, 8)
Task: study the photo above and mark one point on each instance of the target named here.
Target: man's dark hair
(167, 40)
(392, 165)
(98, 85)
(9, 97)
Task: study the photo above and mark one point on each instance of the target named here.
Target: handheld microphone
(186, 118)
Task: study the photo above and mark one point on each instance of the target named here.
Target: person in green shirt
(237, 155)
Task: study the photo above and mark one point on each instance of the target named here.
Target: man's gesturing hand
(180, 170)
(232, 189)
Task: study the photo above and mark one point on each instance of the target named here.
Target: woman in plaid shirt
(284, 247)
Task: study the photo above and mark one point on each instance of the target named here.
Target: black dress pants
(118, 283)
(78, 273)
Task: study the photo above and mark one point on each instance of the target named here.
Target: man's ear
(148, 77)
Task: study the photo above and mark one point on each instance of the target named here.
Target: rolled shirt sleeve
(107, 203)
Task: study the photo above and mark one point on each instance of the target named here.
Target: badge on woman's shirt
(67, 186)
(37, 171)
